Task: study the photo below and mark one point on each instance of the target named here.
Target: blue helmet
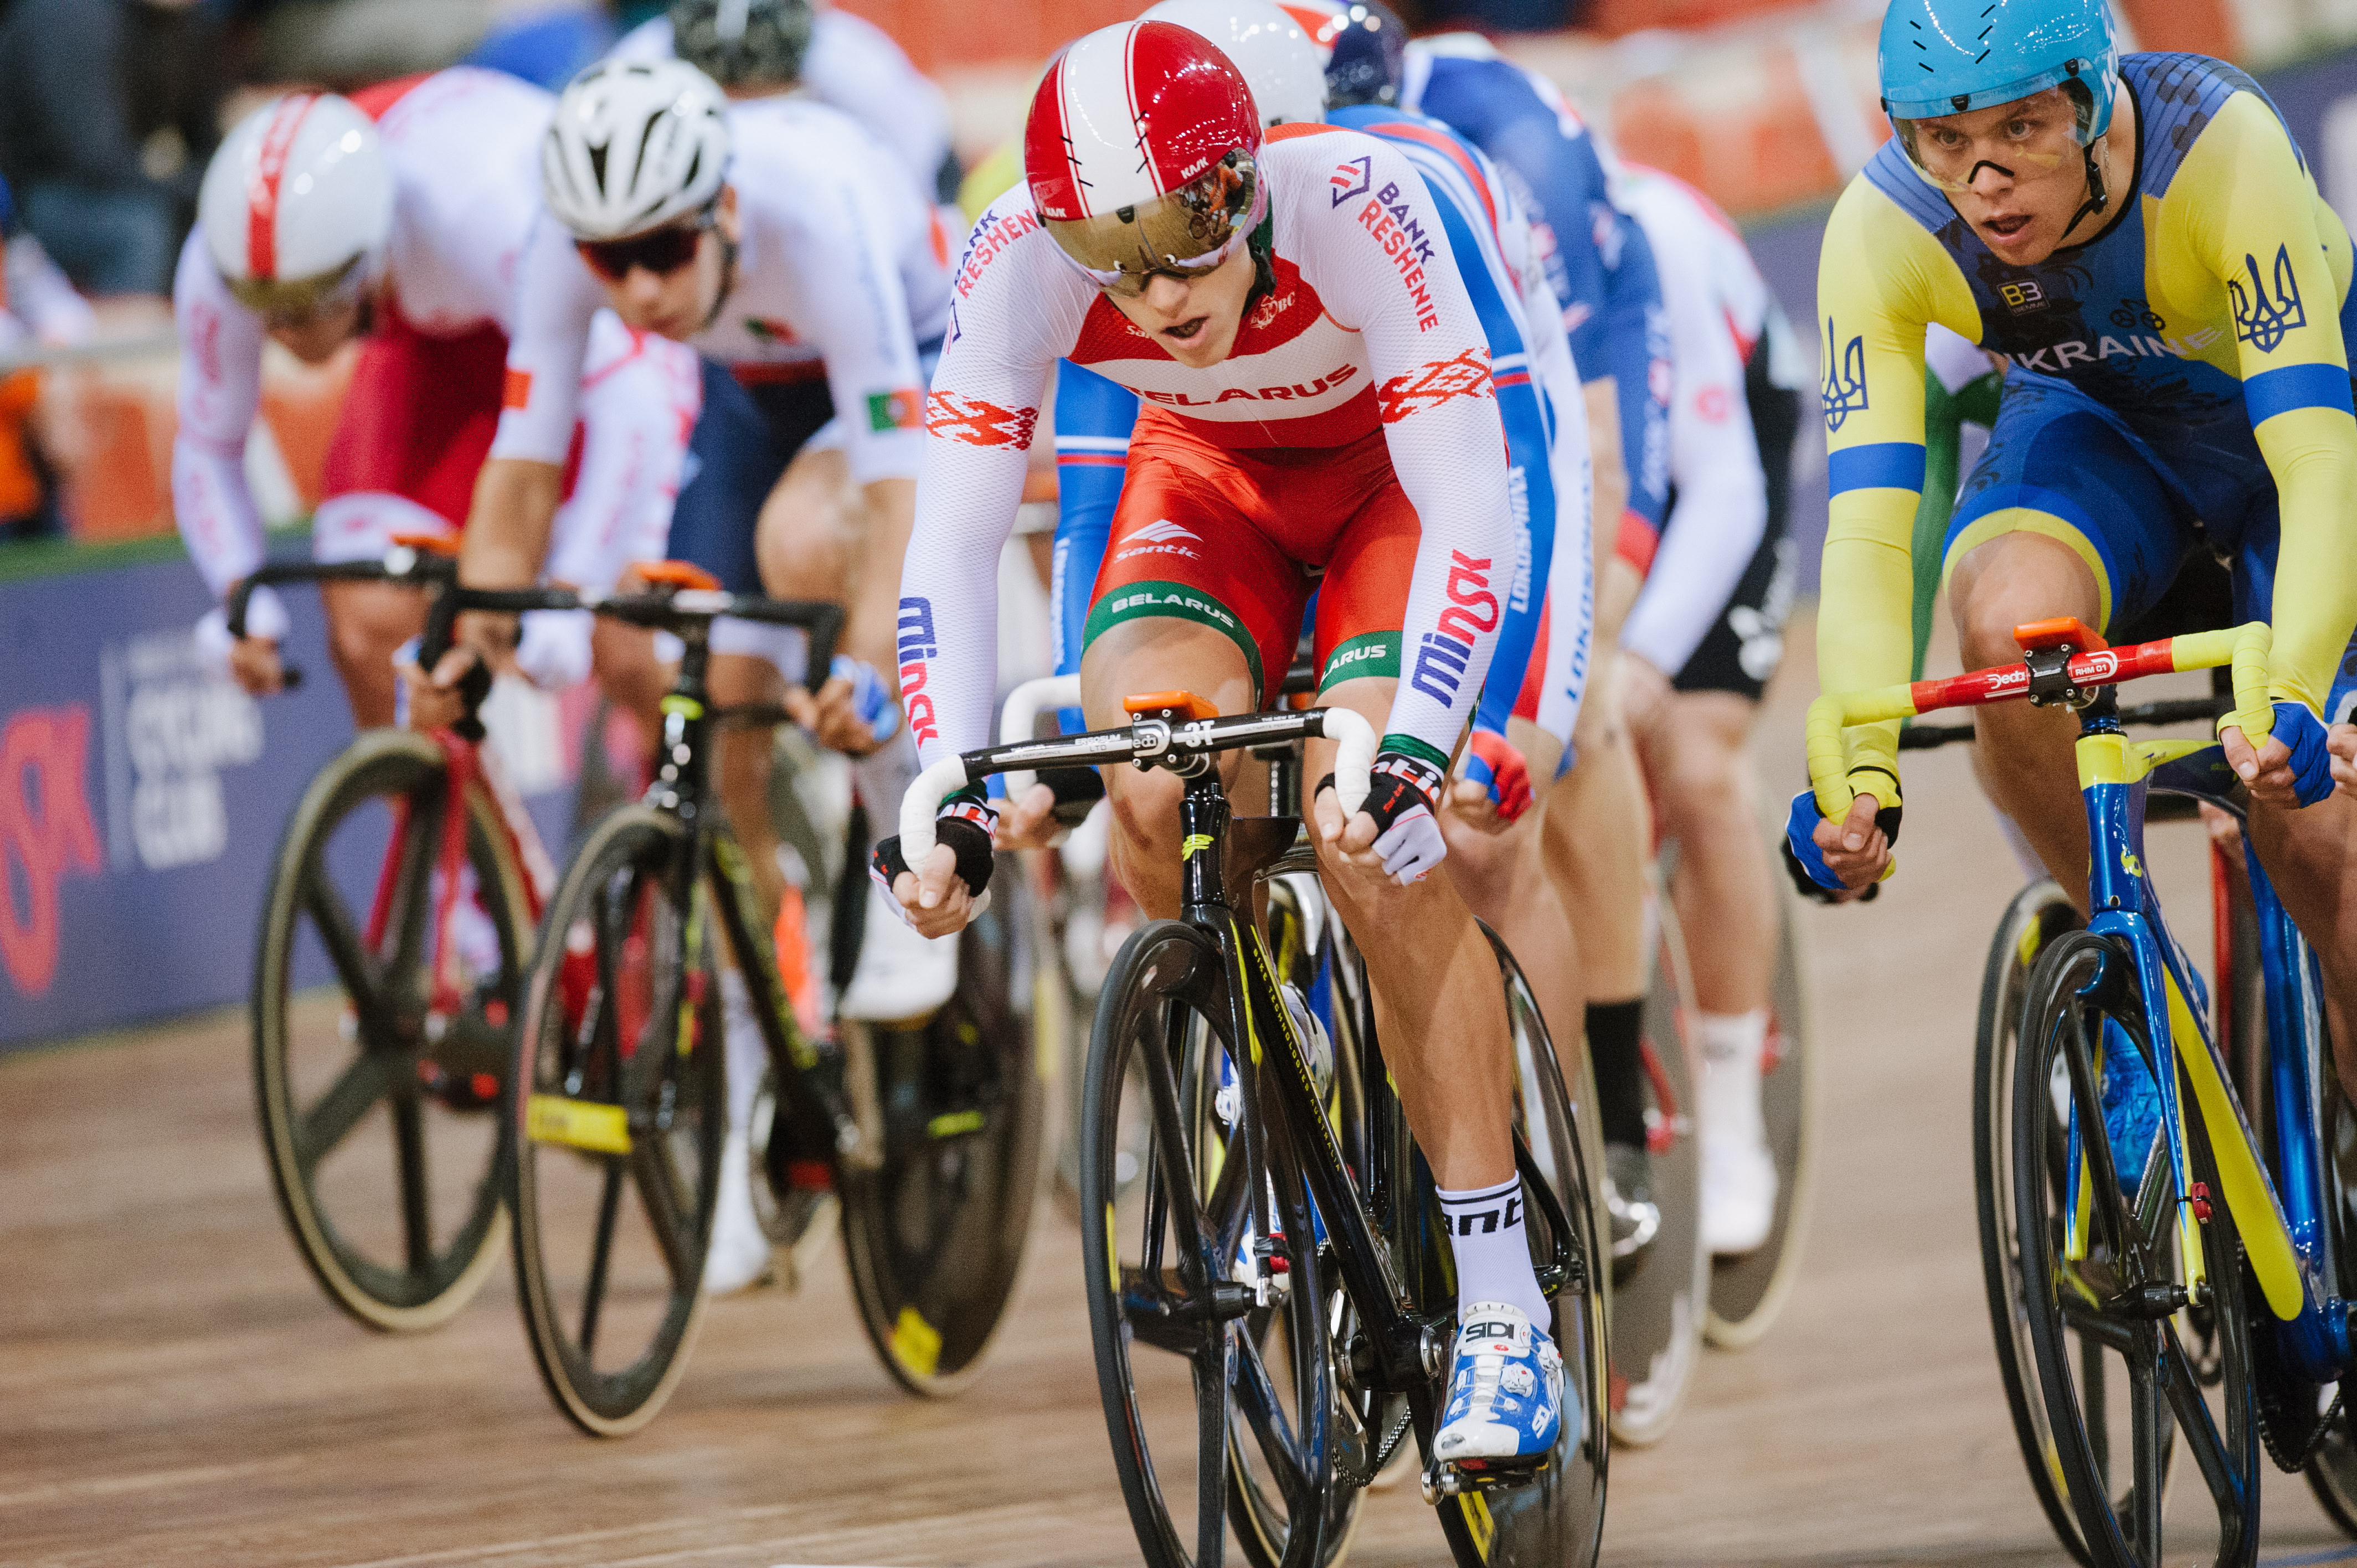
(1947, 56)
(1369, 58)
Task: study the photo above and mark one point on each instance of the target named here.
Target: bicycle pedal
(1443, 1480)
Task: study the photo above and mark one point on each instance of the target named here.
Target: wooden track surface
(174, 1390)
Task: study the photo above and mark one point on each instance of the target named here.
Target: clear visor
(2034, 138)
(288, 302)
(1185, 234)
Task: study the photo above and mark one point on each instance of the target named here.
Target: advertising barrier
(142, 795)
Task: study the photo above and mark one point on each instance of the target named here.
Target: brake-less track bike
(2223, 1268)
(1288, 1277)
(929, 1134)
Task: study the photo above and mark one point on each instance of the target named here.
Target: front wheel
(2115, 1284)
(619, 1108)
(378, 1065)
(1214, 1363)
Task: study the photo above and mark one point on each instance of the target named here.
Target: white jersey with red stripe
(842, 269)
(855, 67)
(1368, 327)
(463, 145)
(1718, 308)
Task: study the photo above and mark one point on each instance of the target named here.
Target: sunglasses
(299, 302)
(661, 253)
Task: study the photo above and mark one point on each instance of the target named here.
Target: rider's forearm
(874, 621)
(508, 525)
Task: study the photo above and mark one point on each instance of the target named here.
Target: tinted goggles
(1187, 234)
(662, 252)
(297, 302)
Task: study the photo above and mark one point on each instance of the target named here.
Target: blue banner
(141, 796)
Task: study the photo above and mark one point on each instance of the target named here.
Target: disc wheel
(1748, 1291)
(378, 1113)
(1215, 1376)
(934, 1234)
(619, 1113)
(2037, 914)
(1659, 1305)
(2120, 1378)
(2332, 1469)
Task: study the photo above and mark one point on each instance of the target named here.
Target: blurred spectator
(546, 44)
(37, 306)
(108, 111)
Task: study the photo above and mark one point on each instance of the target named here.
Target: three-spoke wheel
(2123, 1293)
(390, 1048)
(619, 1113)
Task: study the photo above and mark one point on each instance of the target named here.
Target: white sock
(748, 1053)
(1493, 1253)
(884, 776)
(1734, 1047)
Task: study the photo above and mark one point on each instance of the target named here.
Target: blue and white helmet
(1950, 57)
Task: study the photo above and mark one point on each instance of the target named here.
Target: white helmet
(635, 144)
(298, 204)
(1279, 63)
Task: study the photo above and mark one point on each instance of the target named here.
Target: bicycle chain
(1383, 1452)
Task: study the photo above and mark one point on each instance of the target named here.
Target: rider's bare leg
(634, 680)
(1700, 763)
(743, 778)
(807, 537)
(1438, 1008)
(2024, 754)
(366, 623)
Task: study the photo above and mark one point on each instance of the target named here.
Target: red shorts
(419, 418)
(1227, 538)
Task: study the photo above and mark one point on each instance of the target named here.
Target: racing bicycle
(1270, 1299)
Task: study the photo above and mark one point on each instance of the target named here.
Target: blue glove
(871, 699)
(1803, 858)
(2312, 766)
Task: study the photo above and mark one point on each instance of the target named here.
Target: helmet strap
(728, 280)
(2098, 195)
(1262, 243)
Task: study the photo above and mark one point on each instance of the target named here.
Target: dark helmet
(1369, 56)
(743, 43)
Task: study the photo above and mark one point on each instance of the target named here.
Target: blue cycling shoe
(1505, 1395)
(2131, 1106)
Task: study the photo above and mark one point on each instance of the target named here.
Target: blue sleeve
(1093, 420)
(1639, 329)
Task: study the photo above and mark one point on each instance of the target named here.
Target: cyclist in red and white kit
(1318, 395)
(398, 216)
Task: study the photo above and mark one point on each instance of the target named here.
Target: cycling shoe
(1505, 1395)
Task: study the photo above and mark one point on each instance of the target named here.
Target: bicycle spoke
(1196, 1263)
(355, 970)
(2091, 1380)
(2202, 1435)
(421, 849)
(1214, 1374)
(1255, 1395)
(661, 1191)
(2092, 1326)
(593, 1294)
(337, 1112)
(2149, 1426)
(416, 1199)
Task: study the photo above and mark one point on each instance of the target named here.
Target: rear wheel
(934, 1234)
(367, 1064)
(1659, 1305)
(1748, 1291)
(2038, 915)
(619, 1113)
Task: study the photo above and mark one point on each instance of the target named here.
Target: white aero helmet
(635, 144)
(1279, 63)
(296, 206)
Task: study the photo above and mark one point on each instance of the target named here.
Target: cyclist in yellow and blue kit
(2143, 241)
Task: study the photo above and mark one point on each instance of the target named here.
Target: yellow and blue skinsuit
(2179, 381)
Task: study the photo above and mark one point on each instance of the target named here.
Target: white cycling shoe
(1505, 1391)
(740, 1252)
(901, 974)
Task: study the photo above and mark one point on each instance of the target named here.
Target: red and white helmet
(296, 206)
(1142, 149)
(1267, 44)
